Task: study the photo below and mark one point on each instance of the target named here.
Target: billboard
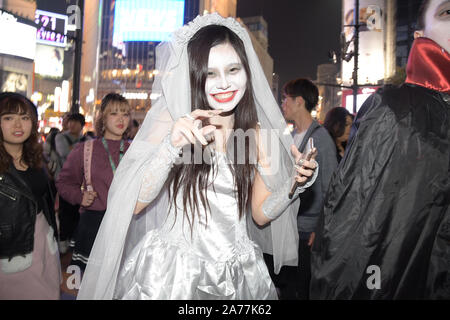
(136, 20)
(51, 28)
(49, 61)
(372, 35)
(16, 38)
(13, 82)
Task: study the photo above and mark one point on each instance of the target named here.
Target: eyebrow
(239, 64)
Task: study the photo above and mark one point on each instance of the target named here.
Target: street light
(347, 56)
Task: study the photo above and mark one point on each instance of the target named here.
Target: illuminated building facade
(328, 94)
(54, 62)
(126, 59)
(376, 41)
(377, 45)
(89, 59)
(17, 46)
(22, 8)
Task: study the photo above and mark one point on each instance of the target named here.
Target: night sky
(301, 32)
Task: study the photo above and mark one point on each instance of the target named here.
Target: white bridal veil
(121, 230)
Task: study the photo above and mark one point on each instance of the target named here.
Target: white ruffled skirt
(158, 269)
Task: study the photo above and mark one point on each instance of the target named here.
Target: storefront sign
(51, 28)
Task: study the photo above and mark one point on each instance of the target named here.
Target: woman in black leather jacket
(29, 258)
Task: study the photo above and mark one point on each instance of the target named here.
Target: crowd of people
(210, 198)
(42, 201)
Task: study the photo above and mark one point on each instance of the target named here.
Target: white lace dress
(216, 261)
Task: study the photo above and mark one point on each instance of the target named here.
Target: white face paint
(437, 23)
(227, 80)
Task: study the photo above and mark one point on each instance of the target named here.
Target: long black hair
(335, 122)
(193, 176)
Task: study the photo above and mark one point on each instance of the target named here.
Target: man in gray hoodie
(300, 97)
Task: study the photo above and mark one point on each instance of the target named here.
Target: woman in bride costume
(177, 226)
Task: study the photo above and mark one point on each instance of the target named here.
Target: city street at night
(225, 150)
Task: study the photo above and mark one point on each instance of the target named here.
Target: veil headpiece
(120, 229)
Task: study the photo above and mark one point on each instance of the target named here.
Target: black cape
(387, 205)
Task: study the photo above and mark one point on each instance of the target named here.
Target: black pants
(304, 269)
(85, 236)
(293, 282)
(68, 219)
(286, 281)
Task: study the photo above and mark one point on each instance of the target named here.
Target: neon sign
(136, 20)
(51, 28)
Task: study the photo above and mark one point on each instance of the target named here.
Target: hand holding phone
(310, 150)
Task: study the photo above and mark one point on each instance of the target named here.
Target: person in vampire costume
(385, 229)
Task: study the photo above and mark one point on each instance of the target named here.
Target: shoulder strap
(87, 156)
(52, 141)
(68, 140)
(313, 127)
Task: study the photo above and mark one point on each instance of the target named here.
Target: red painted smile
(224, 97)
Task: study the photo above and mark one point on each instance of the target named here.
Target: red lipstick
(224, 97)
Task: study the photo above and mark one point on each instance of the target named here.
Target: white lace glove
(279, 200)
(157, 170)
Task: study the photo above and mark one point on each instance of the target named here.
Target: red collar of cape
(429, 66)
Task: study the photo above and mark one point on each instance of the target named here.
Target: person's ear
(300, 101)
(418, 34)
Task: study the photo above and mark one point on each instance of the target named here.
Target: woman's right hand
(186, 130)
(306, 169)
(88, 198)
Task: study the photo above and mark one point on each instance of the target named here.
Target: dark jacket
(18, 210)
(312, 199)
(385, 231)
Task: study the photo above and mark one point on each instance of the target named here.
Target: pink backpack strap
(87, 154)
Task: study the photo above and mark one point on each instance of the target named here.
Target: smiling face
(16, 128)
(437, 23)
(226, 82)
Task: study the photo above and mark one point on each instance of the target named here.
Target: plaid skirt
(86, 232)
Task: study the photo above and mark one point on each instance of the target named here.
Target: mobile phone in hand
(309, 149)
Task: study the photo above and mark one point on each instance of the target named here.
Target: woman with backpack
(88, 172)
